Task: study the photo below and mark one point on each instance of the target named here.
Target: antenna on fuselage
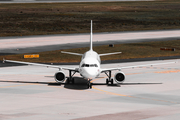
(91, 46)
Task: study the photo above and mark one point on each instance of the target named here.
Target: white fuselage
(90, 65)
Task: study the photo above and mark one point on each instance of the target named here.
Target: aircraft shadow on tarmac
(79, 83)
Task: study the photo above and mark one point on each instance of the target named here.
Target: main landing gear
(70, 79)
(109, 80)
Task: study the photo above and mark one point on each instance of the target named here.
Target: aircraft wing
(125, 67)
(43, 65)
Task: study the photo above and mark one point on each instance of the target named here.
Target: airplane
(89, 67)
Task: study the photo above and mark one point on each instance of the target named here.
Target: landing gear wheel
(68, 81)
(72, 81)
(112, 81)
(90, 85)
(107, 81)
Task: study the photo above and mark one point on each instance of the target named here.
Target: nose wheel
(89, 85)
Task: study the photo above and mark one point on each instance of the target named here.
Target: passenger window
(92, 65)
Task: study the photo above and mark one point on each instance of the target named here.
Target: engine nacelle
(59, 77)
(119, 77)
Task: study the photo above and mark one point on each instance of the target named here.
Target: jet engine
(119, 77)
(59, 77)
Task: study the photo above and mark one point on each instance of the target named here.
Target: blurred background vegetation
(65, 18)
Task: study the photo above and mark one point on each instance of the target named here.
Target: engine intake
(119, 77)
(59, 77)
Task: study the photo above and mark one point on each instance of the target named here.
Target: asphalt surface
(30, 92)
(149, 93)
(31, 44)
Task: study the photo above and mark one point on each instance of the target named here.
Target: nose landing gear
(89, 84)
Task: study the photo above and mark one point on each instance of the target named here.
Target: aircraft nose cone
(91, 73)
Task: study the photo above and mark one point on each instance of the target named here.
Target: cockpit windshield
(89, 65)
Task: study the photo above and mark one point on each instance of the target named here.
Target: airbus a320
(89, 67)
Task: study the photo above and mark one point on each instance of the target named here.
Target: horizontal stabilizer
(109, 53)
(72, 53)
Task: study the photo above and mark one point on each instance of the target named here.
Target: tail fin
(91, 44)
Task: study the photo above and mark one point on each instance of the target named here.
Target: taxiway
(149, 93)
(30, 44)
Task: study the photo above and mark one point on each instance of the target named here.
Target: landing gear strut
(70, 79)
(109, 79)
(89, 84)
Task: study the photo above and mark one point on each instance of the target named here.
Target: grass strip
(65, 18)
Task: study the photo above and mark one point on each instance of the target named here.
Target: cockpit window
(86, 65)
(89, 65)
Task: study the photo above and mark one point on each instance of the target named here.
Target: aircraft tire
(72, 81)
(107, 81)
(68, 81)
(90, 86)
(112, 81)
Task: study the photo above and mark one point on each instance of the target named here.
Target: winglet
(91, 46)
